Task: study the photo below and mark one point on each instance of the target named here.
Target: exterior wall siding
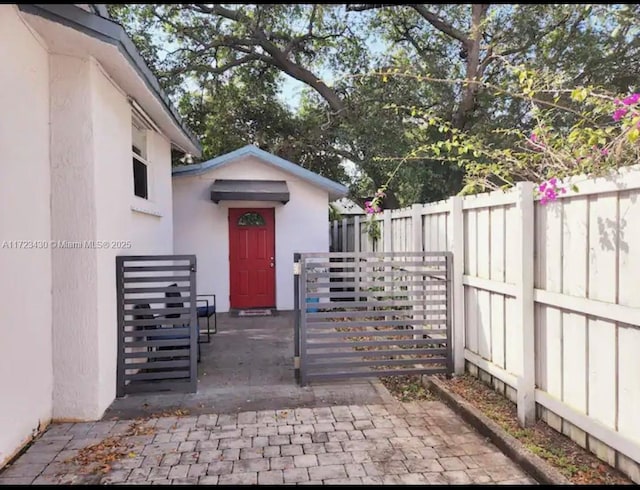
(25, 292)
(95, 187)
(75, 305)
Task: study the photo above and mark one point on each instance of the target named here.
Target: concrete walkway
(410, 443)
(249, 366)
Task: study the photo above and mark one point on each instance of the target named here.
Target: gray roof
(100, 9)
(335, 189)
(106, 30)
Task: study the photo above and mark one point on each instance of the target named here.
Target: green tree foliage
(226, 64)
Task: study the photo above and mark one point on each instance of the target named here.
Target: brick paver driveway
(399, 443)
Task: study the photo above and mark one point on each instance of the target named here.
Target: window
(140, 187)
(140, 163)
(251, 219)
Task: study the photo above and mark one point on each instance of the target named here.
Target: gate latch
(296, 268)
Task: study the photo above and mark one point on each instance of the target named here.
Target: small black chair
(207, 311)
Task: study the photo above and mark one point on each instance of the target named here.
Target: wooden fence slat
(601, 334)
(549, 258)
(574, 282)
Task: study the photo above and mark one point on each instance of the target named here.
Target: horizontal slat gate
(372, 314)
(157, 323)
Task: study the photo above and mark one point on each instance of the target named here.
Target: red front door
(251, 257)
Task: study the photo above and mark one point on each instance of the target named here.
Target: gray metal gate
(157, 323)
(372, 314)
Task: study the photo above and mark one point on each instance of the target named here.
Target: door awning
(249, 190)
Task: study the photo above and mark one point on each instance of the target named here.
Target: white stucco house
(244, 214)
(86, 138)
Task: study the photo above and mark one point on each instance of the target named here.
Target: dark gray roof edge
(333, 187)
(109, 31)
(101, 9)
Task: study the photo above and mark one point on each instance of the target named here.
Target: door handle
(272, 262)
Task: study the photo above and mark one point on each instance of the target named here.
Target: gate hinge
(296, 268)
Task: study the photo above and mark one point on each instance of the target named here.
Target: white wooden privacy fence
(546, 299)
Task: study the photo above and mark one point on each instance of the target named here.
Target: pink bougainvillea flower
(550, 190)
(604, 152)
(620, 113)
(632, 99)
(371, 208)
(534, 137)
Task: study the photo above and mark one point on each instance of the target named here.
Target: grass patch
(407, 388)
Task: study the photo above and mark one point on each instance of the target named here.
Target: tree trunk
(473, 68)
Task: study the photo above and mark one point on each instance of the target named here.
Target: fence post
(387, 244)
(417, 246)
(120, 386)
(195, 327)
(416, 226)
(356, 234)
(525, 303)
(356, 259)
(455, 235)
(296, 308)
(345, 235)
(334, 236)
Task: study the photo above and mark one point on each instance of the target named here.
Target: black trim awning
(249, 190)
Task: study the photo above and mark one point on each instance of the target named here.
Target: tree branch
(424, 12)
(351, 7)
(238, 62)
(217, 9)
(300, 73)
(348, 155)
(440, 24)
(273, 55)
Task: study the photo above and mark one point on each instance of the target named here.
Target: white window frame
(143, 122)
(138, 121)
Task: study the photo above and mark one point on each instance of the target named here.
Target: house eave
(335, 189)
(112, 33)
